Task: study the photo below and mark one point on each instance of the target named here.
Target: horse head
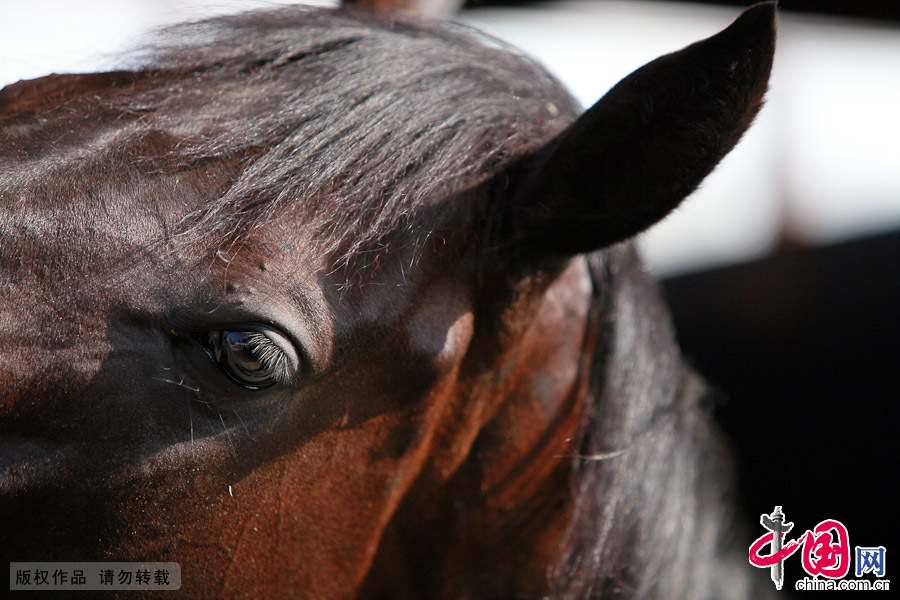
(328, 303)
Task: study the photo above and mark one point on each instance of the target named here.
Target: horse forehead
(72, 240)
(73, 223)
(74, 248)
(90, 199)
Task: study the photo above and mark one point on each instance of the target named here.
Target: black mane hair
(655, 514)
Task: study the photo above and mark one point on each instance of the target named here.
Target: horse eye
(249, 357)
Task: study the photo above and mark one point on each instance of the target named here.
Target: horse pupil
(240, 359)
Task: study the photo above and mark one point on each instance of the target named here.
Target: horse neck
(602, 460)
(593, 469)
(574, 390)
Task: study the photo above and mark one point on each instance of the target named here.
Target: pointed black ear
(631, 159)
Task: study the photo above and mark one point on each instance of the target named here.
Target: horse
(331, 303)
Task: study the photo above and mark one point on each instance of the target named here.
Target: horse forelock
(352, 122)
(372, 120)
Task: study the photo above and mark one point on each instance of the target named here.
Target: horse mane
(652, 481)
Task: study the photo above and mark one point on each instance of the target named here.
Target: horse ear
(631, 158)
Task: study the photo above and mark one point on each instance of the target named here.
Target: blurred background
(782, 271)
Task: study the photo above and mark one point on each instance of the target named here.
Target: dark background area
(804, 348)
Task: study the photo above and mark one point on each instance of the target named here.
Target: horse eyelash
(266, 351)
(271, 356)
